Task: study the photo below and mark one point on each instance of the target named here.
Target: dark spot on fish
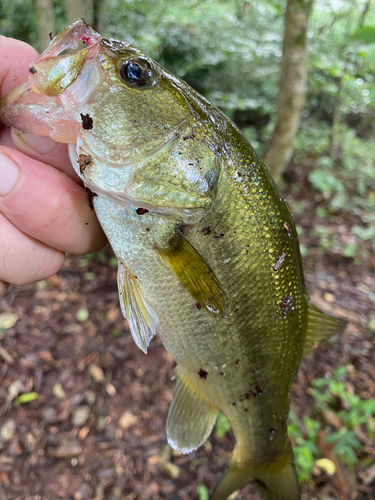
(238, 361)
(247, 251)
(198, 306)
(216, 236)
(287, 229)
(87, 121)
(222, 373)
(233, 404)
(271, 430)
(147, 229)
(141, 211)
(206, 230)
(91, 196)
(32, 70)
(279, 263)
(50, 35)
(192, 164)
(252, 394)
(202, 374)
(239, 174)
(236, 310)
(246, 409)
(83, 161)
(192, 135)
(260, 483)
(286, 305)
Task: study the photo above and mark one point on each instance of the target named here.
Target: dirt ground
(97, 428)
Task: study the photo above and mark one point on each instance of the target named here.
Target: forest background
(232, 52)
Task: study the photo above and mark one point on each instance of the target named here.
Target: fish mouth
(52, 73)
(69, 38)
(49, 76)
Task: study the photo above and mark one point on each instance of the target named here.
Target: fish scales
(208, 252)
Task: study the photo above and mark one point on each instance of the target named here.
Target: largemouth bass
(207, 249)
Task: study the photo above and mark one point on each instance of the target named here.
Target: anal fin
(319, 326)
(195, 274)
(191, 417)
(141, 317)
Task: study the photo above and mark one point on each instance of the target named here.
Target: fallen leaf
(96, 373)
(7, 320)
(58, 391)
(327, 465)
(172, 469)
(127, 420)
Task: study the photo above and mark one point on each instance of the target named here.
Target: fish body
(208, 252)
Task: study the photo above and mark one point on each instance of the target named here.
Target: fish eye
(136, 72)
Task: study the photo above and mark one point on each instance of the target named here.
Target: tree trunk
(80, 8)
(99, 10)
(292, 87)
(45, 22)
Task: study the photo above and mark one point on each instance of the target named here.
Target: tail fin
(274, 481)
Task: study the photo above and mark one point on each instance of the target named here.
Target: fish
(208, 254)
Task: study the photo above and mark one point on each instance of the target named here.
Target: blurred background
(82, 411)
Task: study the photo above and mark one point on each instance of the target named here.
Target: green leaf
(202, 492)
(222, 425)
(82, 314)
(365, 35)
(27, 397)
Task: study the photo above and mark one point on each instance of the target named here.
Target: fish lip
(79, 30)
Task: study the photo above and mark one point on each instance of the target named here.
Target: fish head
(112, 103)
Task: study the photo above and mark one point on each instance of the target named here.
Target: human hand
(44, 210)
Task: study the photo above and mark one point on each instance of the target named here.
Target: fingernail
(30, 143)
(8, 174)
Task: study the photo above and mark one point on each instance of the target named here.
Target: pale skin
(44, 210)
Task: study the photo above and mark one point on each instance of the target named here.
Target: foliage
(345, 187)
(202, 492)
(222, 425)
(304, 435)
(345, 418)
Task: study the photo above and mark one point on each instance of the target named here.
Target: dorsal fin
(319, 326)
(190, 418)
(135, 308)
(195, 274)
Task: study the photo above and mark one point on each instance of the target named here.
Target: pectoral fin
(135, 308)
(191, 417)
(195, 274)
(319, 326)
